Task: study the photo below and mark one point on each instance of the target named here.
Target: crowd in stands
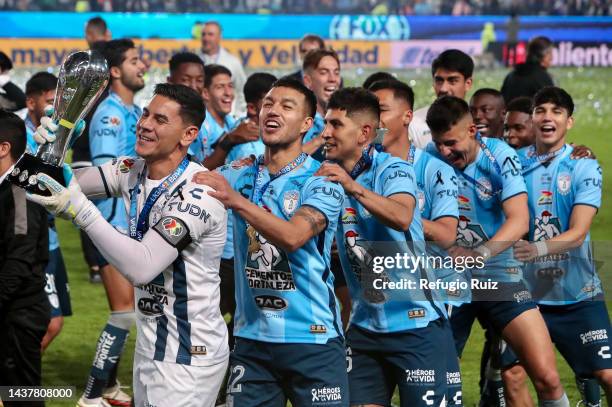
(408, 7)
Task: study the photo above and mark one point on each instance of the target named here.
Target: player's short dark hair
(314, 57)
(375, 77)
(521, 104)
(13, 132)
(355, 100)
(455, 61)
(491, 92)
(400, 89)
(215, 23)
(114, 51)
(5, 62)
(312, 38)
(98, 24)
(193, 109)
(257, 85)
(40, 83)
(537, 48)
(184, 58)
(212, 70)
(445, 112)
(555, 95)
(309, 96)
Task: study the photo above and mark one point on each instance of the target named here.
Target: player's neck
(472, 153)
(349, 162)
(399, 147)
(275, 158)
(126, 95)
(542, 148)
(214, 52)
(160, 168)
(217, 117)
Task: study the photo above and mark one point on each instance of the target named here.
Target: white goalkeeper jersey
(178, 316)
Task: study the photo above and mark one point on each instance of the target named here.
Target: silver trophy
(82, 79)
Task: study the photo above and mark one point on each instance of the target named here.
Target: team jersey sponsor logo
(416, 313)
(420, 376)
(349, 217)
(125, 165)
(150, 307)
(546, 226)
(317, 329)
(105, 342)
(326, 395)
(360, 261)
(266, 265)
(599, 335)
(172, 227)
(198, 350)
(564, 183)
(290, 202)
(545, 198)
(469, 234)
(464, 203)
(271, 302)
(112, 120)
(453, 378)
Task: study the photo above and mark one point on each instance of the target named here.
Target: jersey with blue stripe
(209, 134)
(243, 150)
(554, 190)
(437, 198)
(361, 238)
(178, 316)
(480, 206)
(112, 133)
(285, 297)
(31, 147)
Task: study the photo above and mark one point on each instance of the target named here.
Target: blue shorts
(380, 362)
(493, 314)
(581, 332)
(57, 288)
(267, 374)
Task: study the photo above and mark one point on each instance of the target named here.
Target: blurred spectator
(308, 43)
(11, 97)
(212, 52)
(96, 30)
(462, 8)
(528, 78)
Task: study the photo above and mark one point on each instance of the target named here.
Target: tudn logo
(363, 27)
(270, 302)
(172, 227)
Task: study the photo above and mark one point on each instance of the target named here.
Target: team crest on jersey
(267, 266)
(564, 183)
(290, 202)
(349, 217)
(360, 261)
(545, 198)
(172, 227)
(484, 191)
(546, 227)
(464, 203)
(125, 165)
(421, 200)
(469, 234)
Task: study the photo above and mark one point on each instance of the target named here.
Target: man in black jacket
(528, 78)
(24, 251)
(11, 97)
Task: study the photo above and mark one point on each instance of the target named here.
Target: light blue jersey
(285, 297)
(255, 148)
(493, 177)
(31, 147)
(361, 238)
(554, 189)
(209, 134)
(112, 134)
(316, 129)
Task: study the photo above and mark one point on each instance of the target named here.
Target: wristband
(541, 248)
(224, 143)
(484, 251)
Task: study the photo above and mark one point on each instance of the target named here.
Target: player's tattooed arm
(307, 215)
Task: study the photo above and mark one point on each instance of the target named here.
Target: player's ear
(115, 72)
(570, 122)
(205, 95)
(251, 109)
(468, 84)
(189, 136)
(307, 80)
(407, 117)
(472, 129)
(366, 135)
(306, 124)
(30, 103)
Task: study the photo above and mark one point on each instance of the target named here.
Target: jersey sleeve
(443, 190)
(326, 197)
(589, 180)
(105, 132)
(512, 181)
(189, 215)
(111, 173)
(397, 178)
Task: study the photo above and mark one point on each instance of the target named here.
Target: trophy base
(25, 173)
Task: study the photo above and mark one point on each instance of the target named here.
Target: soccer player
(518, 126)
(172, 253)
(289, 341)
(96, 30)
(452, 73)
(377, 76)
(308, 42)
(385, 349)
(186, 68)
(321, 75)
(40, 92)
(488, 109)
(112, 133)
(212, 53)
(493, 203)
(564, 196)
